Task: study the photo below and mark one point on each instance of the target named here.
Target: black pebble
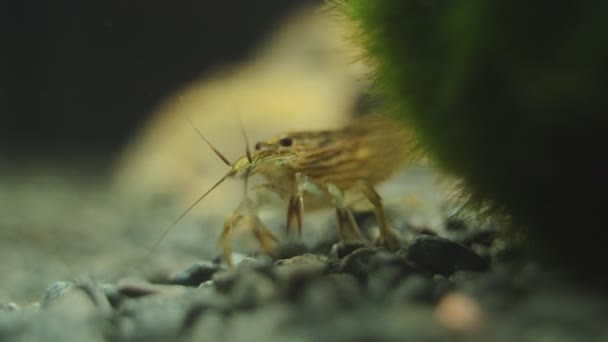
(439, 255)
(196, 274)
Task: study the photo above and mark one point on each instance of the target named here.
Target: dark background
(79, 76)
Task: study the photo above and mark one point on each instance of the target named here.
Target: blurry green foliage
(510, 95)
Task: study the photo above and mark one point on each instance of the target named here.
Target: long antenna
(247, 151)
(217, 152)
(246, 138)
(170, 227)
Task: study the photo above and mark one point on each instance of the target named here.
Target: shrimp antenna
(246, 138)
(217, 152)
(247, 152)
(172, 225)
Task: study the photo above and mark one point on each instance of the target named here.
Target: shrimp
(319, 169)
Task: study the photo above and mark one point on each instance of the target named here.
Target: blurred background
(83, 76)
(96, 156)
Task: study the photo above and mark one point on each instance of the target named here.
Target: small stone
(137, 288)
(246, 287)
(251, 289)
(331, 294)
(390, 271)
(386, 278)
(382, 281)
(295, 273)
(359, 263)
(443, 256)
(415, 288)
(343, 248)
(365, 261)
(387, 259)
(196, 274)
(460, 313)
(318, 261)
(157, 318)
(224, 280)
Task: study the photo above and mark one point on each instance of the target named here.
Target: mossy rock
(511, 96)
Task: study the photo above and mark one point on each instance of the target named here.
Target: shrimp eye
(286, 142)
(258, 146)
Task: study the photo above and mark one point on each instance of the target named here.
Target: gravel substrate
(432, 290)
(461, 283)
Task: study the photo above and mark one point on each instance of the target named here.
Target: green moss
(511, 96)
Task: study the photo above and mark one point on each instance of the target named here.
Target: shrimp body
(319, 168)
(369, 150)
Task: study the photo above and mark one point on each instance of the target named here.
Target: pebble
(151, 318)
(196, 274)
(383, 281)
(390, 272)
(443, 256)
(295, 273)
(133, 288)
(252, 289)
(416, 288)
(363, 262)
(460, 313)
(308, 260)
(246, 286)
(331, 294)
(359, 263)
(343, 248)
(224, 280)
(354, 293)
